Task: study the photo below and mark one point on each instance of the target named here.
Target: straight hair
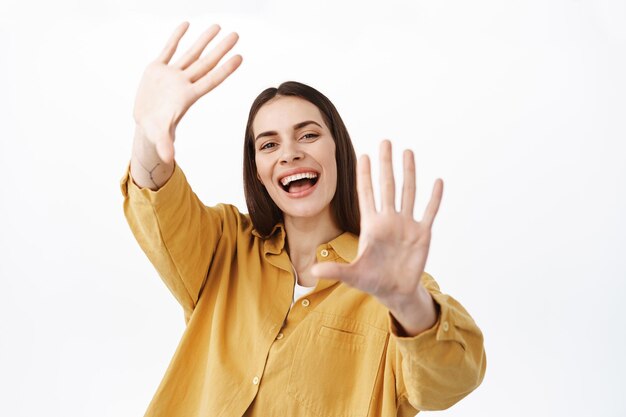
(264, 213)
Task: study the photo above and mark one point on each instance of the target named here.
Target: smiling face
(295, 157)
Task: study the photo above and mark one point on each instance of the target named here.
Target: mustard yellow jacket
(247, 352)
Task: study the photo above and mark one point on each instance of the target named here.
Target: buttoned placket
(277, 256)
(298, 312)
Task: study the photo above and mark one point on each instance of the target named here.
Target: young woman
(313, 304)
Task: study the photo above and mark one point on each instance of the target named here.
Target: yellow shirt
(246, 351)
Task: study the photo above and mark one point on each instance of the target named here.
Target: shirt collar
(345, 245)
(275, 242)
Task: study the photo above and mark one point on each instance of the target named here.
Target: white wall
(518, 106)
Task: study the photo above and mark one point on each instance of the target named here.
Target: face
(295, 156)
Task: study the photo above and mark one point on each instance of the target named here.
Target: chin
(310, 206)
(304, 210)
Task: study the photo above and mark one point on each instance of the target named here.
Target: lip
(301, 193)
(294, 171)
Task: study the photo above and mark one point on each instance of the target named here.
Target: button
(280, 336)
(255, 380)
(445, 326)
(305, 302)
(324, 253)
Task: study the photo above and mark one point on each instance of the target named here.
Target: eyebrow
(295, 127)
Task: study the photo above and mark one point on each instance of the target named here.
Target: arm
(438, 367)
(175, 230)
(148, 170)
(178, 234)
(444, 360)
(166, 91)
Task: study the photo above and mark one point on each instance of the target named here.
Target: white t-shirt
(299, 290)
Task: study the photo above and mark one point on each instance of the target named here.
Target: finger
(215, 78)
(367, 205)
(387, 183)
(334, 271)
(197, 48)
(408, 187)
(202, 66)
(433, 204)
(172, 43)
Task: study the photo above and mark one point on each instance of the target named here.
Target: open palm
(393, 247)
(167, 90)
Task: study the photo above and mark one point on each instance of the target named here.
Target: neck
(305, 234)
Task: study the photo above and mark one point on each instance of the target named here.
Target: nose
(290, 152)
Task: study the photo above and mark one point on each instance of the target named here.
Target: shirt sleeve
(438, 367)
(176, 231)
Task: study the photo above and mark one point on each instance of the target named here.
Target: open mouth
(299, 185)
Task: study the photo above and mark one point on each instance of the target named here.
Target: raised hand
(393, 247)
(167, 91)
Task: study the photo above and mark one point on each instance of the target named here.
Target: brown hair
(264, 213)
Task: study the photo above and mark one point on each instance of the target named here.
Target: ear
(259, 177)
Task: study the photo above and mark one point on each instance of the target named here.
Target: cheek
(335, 180)
(333, 170)
(261, 172)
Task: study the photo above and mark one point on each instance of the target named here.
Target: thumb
(333, 270)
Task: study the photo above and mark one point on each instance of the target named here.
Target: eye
(310, 136)
(266, 146)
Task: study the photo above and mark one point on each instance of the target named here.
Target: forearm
(416, 314)
(444, 363)
(146, 167)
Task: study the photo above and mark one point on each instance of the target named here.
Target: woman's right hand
(167, 91)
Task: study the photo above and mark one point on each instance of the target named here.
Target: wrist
(414, 314)
(147, 168)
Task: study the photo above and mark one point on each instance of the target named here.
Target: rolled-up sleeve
(440, 366)
(176, 231)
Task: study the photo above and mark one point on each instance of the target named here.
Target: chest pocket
(335, 366)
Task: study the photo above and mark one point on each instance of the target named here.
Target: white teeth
(285, 181)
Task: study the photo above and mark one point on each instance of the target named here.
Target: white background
(519, 106)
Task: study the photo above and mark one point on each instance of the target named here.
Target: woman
(309, 305)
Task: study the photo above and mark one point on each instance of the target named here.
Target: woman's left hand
(393, 247)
